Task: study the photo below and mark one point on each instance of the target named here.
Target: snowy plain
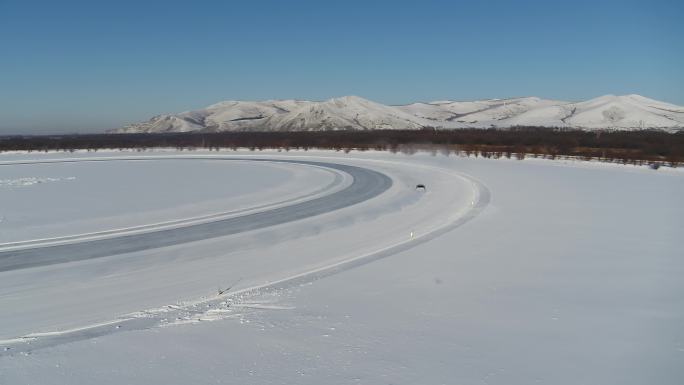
(570, 273)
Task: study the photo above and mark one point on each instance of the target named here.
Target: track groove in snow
(366, 185)
(341, 180)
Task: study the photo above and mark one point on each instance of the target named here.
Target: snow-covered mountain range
(628, 112)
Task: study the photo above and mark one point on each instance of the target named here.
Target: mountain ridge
(607, 112)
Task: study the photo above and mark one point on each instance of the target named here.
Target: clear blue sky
(78, 66)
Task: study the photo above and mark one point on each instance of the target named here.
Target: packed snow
(609, 112)
(501, 272)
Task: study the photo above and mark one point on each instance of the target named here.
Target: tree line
(636, 147)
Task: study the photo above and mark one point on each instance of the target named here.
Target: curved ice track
(366, 184)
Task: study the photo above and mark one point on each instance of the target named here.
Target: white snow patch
(30, 181)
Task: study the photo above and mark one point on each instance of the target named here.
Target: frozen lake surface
(567, 273)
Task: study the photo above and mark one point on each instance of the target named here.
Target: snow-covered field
(502, 272)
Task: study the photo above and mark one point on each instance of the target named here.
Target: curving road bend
(366, 184)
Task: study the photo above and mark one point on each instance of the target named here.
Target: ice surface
(572, 274)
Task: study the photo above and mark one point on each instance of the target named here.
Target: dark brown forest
(635, 147)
